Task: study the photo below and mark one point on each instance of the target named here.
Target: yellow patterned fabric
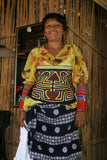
(69, 56)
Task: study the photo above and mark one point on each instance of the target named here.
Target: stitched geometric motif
(53, 85)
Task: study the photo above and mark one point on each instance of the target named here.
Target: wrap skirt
(52, 134)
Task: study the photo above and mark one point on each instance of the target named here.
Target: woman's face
(53, 30)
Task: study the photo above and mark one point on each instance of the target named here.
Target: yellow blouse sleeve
(30, 67)
(80, 73)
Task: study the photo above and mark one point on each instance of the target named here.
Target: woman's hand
(22, 118)
(79, 119)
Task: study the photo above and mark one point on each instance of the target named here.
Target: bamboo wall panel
(7, 93)
(6, 82)
(87, 28)
(103, 3)
(25, 12)
(7, 24)
(84, 22)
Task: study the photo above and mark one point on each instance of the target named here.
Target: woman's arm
(80, 114)
(22, 116)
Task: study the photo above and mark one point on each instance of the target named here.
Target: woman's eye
(48, 25)
(57, 25)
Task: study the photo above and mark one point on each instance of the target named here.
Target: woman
(49, 103)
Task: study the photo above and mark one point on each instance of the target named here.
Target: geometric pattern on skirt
(52, 134)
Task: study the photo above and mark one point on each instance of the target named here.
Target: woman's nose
(53, 27)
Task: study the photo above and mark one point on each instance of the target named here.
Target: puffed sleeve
(80, 73)
(30, 67)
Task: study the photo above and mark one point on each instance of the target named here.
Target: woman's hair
(56, 16)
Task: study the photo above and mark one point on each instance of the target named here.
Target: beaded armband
(81, 93)
(24, 94)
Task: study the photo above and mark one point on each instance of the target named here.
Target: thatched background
(87, 23)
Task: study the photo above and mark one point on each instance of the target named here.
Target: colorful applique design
(54, 85)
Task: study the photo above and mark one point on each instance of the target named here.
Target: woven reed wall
(87, 28)
(88, 31)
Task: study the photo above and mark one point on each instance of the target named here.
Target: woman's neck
(54, 45)
(54, 48)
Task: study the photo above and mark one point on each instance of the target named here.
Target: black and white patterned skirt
(52, 134)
